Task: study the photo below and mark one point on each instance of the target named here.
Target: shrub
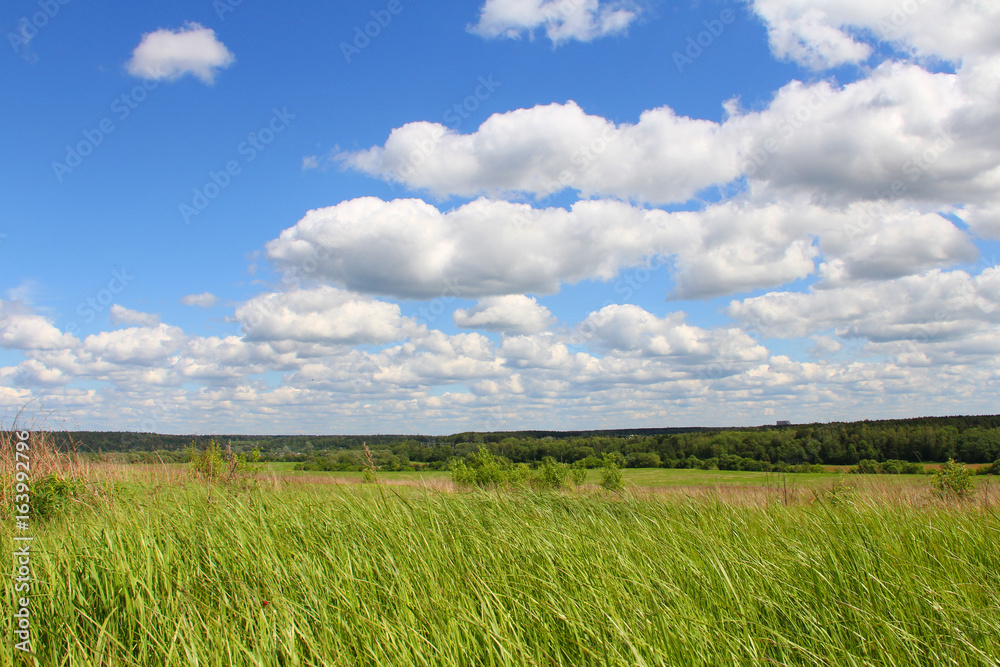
(214, 465)
(865, 467)
(992, 469)
(590, 462)
(611, 474)
(485, 469)
(53, 494)
(578, 473)
(890, 467)
(551, 475)
(953, 479)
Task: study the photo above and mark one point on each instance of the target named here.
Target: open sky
(412, 216)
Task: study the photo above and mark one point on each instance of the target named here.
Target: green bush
(992, 469)
(214, 465)
(578, 473)
(890, 467)
(865, 467)
(551, 475)
(53, 494)
(611, 474)
(953, 480)
(485, 469)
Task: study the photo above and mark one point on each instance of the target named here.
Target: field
(148, 566)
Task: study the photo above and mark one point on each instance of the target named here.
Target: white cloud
(140, 346)
(321, 315)
(514, 313)
(170, 54)
(937, 305)
(21, 329)
(641, 370)
(803, 33)
(827, 33)
(984, 221)
(562, 20)
(900, 134)
(901, 243)
(546, 149)
(203, 300)
(629, 328)
(123, 315)
(409, 249)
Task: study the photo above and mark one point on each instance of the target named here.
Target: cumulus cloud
(514, 313)
(170, 54)
(546, 149)
(22, 329)
(409, 249)
(321, 315)
(983, 220)
(631, 328)
(827, 33)
(901, 242)
(902, 133)
(122, 315)
(142, 346)
(562, 20)
(203, 300)
(937, 305)
(621, 363)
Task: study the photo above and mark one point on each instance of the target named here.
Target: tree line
(929, 439)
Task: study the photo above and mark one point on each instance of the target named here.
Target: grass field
(649, 477)
(150, 567)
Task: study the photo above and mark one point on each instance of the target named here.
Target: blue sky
(515, 214)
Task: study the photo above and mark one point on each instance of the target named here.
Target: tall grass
(190, 574)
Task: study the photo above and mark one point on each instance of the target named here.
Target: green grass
(178, 574)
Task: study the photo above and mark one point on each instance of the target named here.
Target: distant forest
(926, 439)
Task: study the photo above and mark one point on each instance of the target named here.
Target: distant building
(782, 422)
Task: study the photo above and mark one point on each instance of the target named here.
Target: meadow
(152, 566)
